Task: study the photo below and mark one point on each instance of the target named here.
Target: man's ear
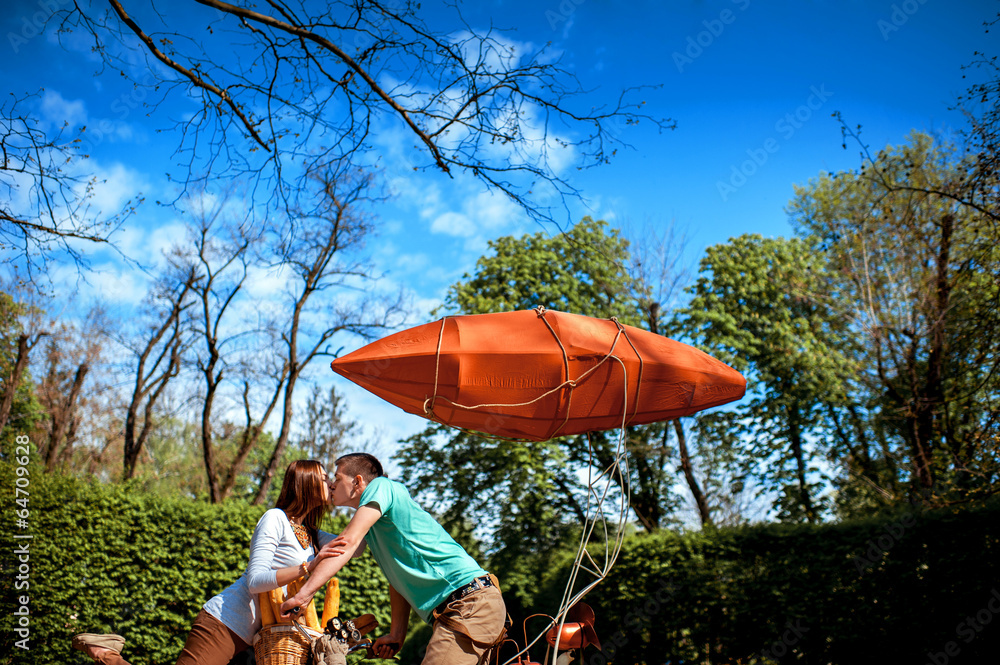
(360, 482)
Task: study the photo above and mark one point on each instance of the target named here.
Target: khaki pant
(482, 614)
(210, 642)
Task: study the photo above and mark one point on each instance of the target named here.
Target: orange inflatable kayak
(537, 374)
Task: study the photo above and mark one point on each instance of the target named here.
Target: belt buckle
(475, 585)
(469, 588)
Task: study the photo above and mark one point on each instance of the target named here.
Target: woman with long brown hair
(287, 543)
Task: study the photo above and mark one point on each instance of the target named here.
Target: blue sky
(751, 85)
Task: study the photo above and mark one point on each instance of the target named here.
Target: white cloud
(411, 263)
(16, 187)
(453, 224)
(568, 26)
(483, 215)
(267, 283)
(422, 307)
(87, 131)
(492, 211)
(163, 238)
(116, 286)
(113, 187)
(497, 53)
(535, 144)
(56, 110)
(119, 286)
(74, 42)
(100, 193)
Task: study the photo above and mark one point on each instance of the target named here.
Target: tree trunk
(645, 501)
(95, 460)
(62, 417)
(131, 449)
(148, 385)
(207, 447)
(795, 438)
(149, 389)
(699, 496)
(279, 447)
(918, 427)
(14, 380)
(250, 436)
(929, 403)
(251, 433)
(67, 450)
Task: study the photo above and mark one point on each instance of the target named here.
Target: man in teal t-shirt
(427, 570)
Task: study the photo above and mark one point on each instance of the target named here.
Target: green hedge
(898, 589)
(111, 558)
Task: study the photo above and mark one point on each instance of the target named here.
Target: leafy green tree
(759, 306)
(581, 271)
(20, 410)
(917, 272)
(585, 271)
(525, 496)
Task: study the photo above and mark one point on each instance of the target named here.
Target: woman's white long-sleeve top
(273, 546)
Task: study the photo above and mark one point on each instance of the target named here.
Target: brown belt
(462, 592)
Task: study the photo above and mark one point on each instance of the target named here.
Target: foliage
(115, 558)
(174, 465)
(755, 306)
(580, 271)
(889, 589)
(917, 274)
(26, 411)
(894, 587)
(869, 341)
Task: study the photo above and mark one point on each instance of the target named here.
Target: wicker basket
(282, 644)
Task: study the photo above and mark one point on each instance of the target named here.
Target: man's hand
(292, 608)
(336, 547)
(388, 646)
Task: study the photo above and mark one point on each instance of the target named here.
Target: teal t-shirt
(420, 560)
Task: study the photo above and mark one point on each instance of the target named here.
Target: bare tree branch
(47, 206)
(308, 81)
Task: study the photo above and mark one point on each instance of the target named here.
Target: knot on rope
(568, 384)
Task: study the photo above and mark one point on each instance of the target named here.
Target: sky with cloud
(751, 84)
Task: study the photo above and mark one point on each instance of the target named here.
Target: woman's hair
(302, 494)
(361, 464)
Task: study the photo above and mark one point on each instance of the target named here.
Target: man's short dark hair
(361, 464)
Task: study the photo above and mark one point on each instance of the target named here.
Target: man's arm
(386, 646)
(352, 537)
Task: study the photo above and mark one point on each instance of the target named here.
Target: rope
(571, 383)
(569, 401)
(595, 501)
(429, 402)
(595, 512)
(638, 382)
